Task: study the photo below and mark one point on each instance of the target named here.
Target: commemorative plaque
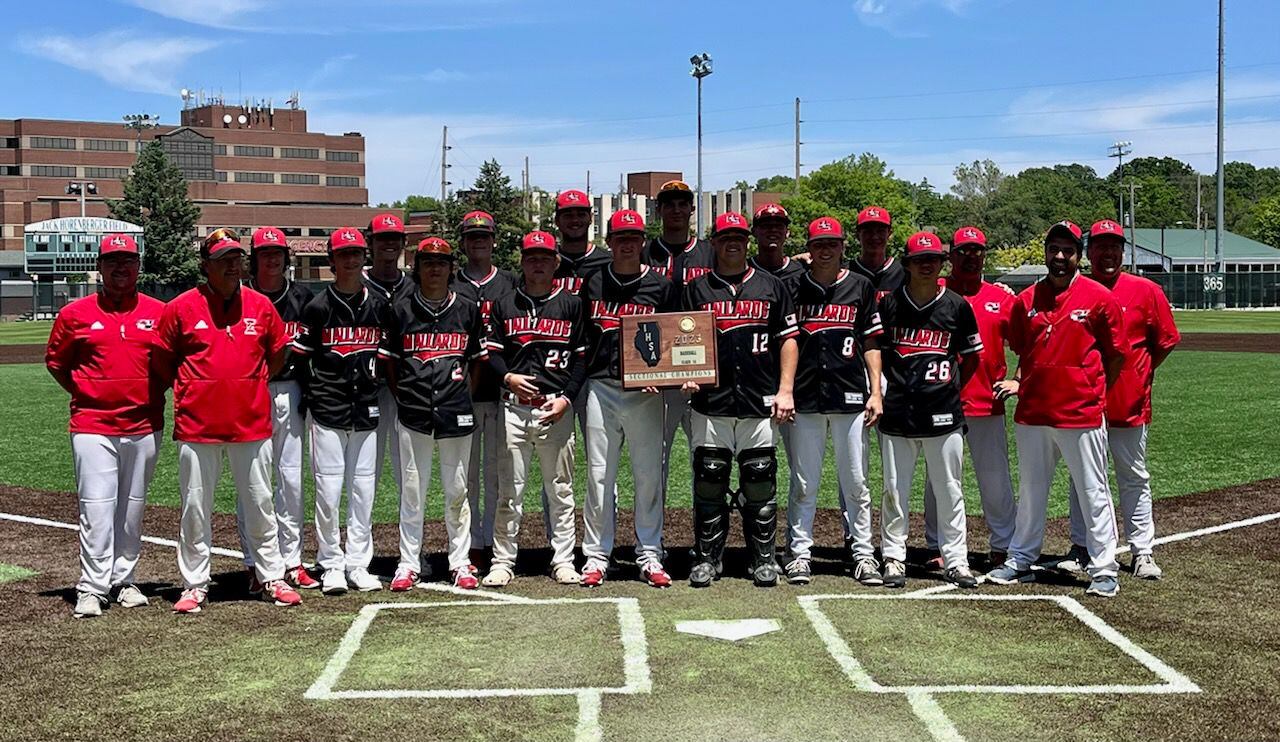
(668, 349)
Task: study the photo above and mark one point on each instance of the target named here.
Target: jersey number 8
(847, 349)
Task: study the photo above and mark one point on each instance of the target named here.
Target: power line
(1037, 113)
(1099, 132)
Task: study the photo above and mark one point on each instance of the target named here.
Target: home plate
(732, 631)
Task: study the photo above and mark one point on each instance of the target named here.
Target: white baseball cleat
(361, 580)
(333, 582)
(131, 597)
(88, 605)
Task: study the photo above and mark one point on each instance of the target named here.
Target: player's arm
(1109, 329)
(1164, 332)
(58, 354)
(164, 360)
(784, 405)
(967, 342)
(875, 368)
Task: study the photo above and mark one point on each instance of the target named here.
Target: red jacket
(1148, 325)
(992, 306)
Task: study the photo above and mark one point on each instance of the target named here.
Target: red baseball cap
(117, 243)
(921, 244)
(730, 221)
(969, 236)
(346, 237)
(874, 215)
(772, 211)
(825, 227)
(1068, 227)
(435, 247)
(572, 199)
(1106, 228)
(386, 224)
(478, 221)
(219, 242)
(626, 220)
(538, 240)
(268, 237)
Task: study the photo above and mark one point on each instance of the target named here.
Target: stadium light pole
(139, 121)
(1218, 265)
(80, 188)
(701, 68)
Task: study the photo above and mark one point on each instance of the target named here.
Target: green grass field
(25, 333)
(10, 573)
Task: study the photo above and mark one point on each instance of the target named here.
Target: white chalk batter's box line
(1174, 681)
(635, 653)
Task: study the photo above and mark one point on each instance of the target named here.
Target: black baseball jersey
(289, 302)
(886, 280)
(607, 299)
(432, 350)
(542, 337)
(681, 263)
(392, 291)
(340, 338)
(921, 347)
(753, 318)
(573, 271)
(837, 324)
(497, 284)
(790, 270)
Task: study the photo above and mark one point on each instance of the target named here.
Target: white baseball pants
(580, 413)
(487, 444)
(286, 452)
(344, 458)
(808, 440)
(455, 458)
(199, 466)
(944, 459)
(988, 444)
(615, 416)
(112, 476)
(1128, 447)
(387, 436)
(675, 414)
(526, 435)
(734, 433)
(1085, 451)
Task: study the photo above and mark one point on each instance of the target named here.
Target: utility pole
(444, 165)
(1133, 226)
(796, 186)
(588, 182)
(1200, 225)
(1218, 266)
(701, 68)
(1118, 151)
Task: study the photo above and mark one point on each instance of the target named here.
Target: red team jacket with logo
(574, 271)
(1148, 325)
(221, 351)
(340, 339)
(433, 350)
(541, 337)
(836, 322)
(606, 300)
(108, 355)
(992, 307)
(289, 302)
(1062, 344)
(680, 264)
(497, 284)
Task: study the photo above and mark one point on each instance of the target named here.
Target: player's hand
(1006, 389)
(875, 408)
(803, 257)
(1006, 287)
(555, 409)
(784, 408)
(690, 388)
(521, 385)
(651, 390)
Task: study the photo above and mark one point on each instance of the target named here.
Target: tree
(849, 184)
(493, 192)
(414, 203)
(1266, 221)
(976, 185)
(155, 197)
(1016, 256)
(1026, 204)
(777, 184)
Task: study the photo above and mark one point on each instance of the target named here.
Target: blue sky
(604, 86)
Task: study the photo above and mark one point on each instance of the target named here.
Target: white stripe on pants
(525, 435)
(386, 436)
(338, 458)
(1128, 447)
(615, 416)
(944, 457)
(199, 466)
(1085, 451)
(112, 476)
(286, 452)
(455, 456)
(808, 440)
(487, 444)
(988, 444)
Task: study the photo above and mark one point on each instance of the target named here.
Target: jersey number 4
(938, 371)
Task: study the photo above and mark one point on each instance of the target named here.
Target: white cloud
(332, 17)
(896, 16)
(224, 14)
(122, 59)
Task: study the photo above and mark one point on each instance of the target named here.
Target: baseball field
(1190, 657)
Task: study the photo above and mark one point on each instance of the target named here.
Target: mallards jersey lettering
(921, 350)
(340, 339)
(289, 302)
(433, 350)
(573, 271)
(394, 291)
(886, 280)
(607, 299)
(753, 318)
(484, 292)
(837, 323)
(540, 337)
(680, 264)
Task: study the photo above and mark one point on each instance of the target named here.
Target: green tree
(976, 185)
(849, 184)
(1016, 256)
(155, 197)
(1266, 221)
(777, 184)
(414, 203)
(492, 192)
(1026, 204)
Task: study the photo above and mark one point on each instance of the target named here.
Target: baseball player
(873, 260)
(268, 263)
(218, 344)
(837, 392)
(770, 226)
(756, 359)
(100, 352)
(579, 258)
(433, 340)
(340, 332)
(386, 247)
(930, 346)
(626, 287)
(536, 345)
(487, 283)
(985, 436)
(1150, 335)
(1068, 333)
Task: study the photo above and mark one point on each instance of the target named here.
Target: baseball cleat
(703, 574)
(1075, 561)
(465, 578)
(799, 572)
(654, 575)
(281, 593)
(499, 576)
(1006, 575)
(333, 582)
(765, 574)
(361, 580)
(593, 573)
(866, 571)
(895, 573)
(960, 577)
(1145, 568)
(191, 600)
(1103, 587)
(404, 580)
(88, 605)
(564, 574)
(131, 597)
(255, 585)
(300, 578)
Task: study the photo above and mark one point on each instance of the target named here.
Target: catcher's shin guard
(711, 469)
(757, 499)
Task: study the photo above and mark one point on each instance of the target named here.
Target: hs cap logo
(926, 242)
(537, 239)
(824, 225)
(873, 212)
(627, 218)
(732, 219)
(388, 221)
(348, 235)
(571, 197)
(117, 242)
(270, 236)
(971, 234)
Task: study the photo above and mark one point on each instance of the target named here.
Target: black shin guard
(757, 498)
(711, 469)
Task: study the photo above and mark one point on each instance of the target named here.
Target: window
(338, 156)
(106, 145)
(10, 170)
(318, 231)
(300, 153)
(245, 150)
(106, 172)
(53, 171)
(255, 178)
(9, 143)
(299, 179)
(222, 176)
(344, 181)
(53, 143)
(220, 149)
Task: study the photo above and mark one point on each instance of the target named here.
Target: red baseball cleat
(404, 580)
(653, 574)
(300, 578)
(191, 600)
(593, 573)
(465, 578)
(281, 594)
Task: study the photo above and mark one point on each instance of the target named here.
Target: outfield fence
(1207, 290)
